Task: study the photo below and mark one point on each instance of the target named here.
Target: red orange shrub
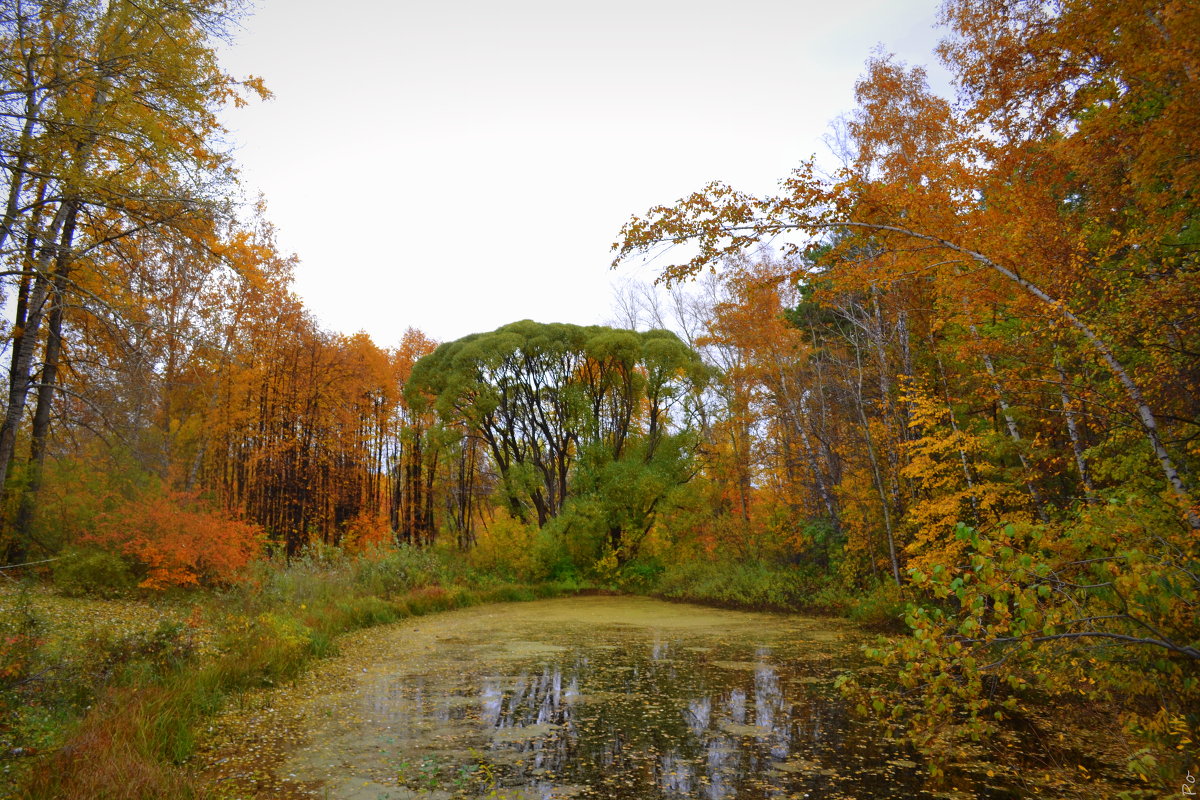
(177, 540)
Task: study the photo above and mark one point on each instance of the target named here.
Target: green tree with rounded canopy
(587, 419)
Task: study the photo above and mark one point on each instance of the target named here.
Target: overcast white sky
(454, 165)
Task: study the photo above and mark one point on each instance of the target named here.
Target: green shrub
(506, 549)
(395, 571)
(641, 574)
(558, 561)
(511, 594)
(363, 612)
(881, 609)
(86, 571)
(750, 584)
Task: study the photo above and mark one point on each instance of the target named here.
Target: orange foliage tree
(998, 295)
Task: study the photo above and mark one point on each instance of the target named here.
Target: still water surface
(598, 697)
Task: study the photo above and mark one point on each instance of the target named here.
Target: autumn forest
(948, 388)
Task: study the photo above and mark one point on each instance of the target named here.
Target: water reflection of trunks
(726, 749)
(533, 700)
(633, 729)
(540, 703)
(698, 715)
(675, 776)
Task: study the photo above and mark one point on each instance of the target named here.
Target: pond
(588, 697)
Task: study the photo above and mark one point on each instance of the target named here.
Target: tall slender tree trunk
(427, 514)
(1014, 432)
(797, 413)
(1073, 431)
(875, 471)
(47, 385)
(822, 487)
(875, 330)
(25, 346)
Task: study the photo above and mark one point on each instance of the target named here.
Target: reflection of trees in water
(533, 700)
(670, 723)
(735, 707)
(699, 714)
(731, 753)
(658, 722)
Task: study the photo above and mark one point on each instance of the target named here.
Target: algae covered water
(589, 697)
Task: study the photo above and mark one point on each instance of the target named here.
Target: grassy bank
(103, 698)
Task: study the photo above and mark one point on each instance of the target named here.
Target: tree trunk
(25, 347)
(1014, 432)
(879, 487)
(1073, 431)
(47, 386)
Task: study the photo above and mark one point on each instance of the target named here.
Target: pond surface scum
(588, 697)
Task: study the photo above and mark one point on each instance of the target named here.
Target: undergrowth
(754, 585)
